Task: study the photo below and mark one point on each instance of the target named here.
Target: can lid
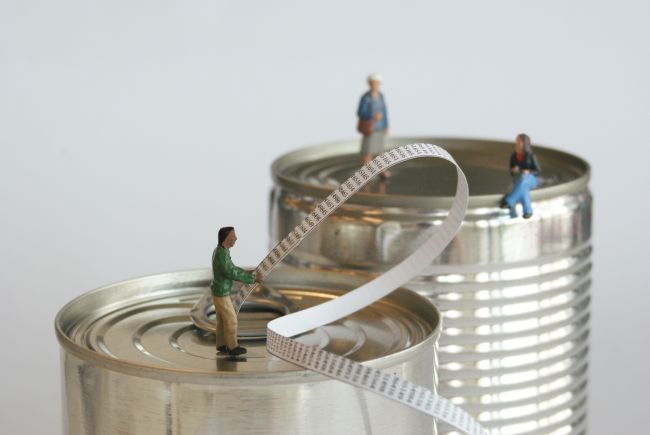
(315, 171)
(143, 326)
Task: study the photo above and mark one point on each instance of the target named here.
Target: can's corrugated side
(514, 293)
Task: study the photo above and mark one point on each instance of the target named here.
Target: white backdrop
(116, 118)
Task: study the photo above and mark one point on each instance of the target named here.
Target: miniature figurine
(224, 273)
(373, 121)
(524, 168)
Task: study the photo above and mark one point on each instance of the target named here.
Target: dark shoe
(504, 203)
(237, 351)
(222, 348)
(527, 215)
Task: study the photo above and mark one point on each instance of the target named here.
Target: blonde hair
(375, 77)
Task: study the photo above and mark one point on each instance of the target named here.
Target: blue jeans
(521, 193)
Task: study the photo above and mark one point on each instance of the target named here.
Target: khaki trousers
(226, 321)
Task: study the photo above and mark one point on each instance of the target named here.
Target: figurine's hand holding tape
(280, 330)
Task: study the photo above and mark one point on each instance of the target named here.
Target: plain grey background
(132, 130)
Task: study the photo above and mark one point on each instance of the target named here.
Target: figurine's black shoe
(527, 215)
(503, 203)
(237, 351)
(222, 348)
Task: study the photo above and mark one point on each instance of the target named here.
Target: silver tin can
(134, 364)
(514, 293)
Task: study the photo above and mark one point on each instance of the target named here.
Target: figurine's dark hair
(223, 233)
(525, 141)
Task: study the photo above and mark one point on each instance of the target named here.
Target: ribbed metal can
(134, 364)
(514, 292)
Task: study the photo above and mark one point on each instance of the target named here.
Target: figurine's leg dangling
(525, 202)
(510, 202)
(529, 182)
(503, 203)
(519, 193)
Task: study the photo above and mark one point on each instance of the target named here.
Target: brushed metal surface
(266, 301)
(514, 293)
(133, 363)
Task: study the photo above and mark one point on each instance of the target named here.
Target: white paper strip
(280, 330)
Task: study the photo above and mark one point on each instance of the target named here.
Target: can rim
(331, 149)
(211, 377)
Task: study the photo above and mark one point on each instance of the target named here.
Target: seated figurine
(524, 169)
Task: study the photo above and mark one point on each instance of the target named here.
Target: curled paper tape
(280, 330)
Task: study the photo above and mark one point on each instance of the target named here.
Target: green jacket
(225, 272)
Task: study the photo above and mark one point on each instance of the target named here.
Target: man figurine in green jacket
(224, 273)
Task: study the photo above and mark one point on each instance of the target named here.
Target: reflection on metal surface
(515, 293)
(264, 305)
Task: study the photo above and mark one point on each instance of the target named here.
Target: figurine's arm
(514, 167)
(384, 112)
(536, 166)
(364, 111)
(236, 273)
